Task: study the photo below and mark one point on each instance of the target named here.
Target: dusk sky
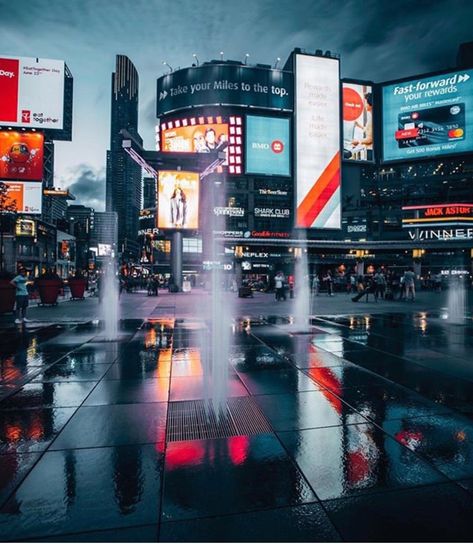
(377, 40)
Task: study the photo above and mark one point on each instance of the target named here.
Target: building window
(192, 245)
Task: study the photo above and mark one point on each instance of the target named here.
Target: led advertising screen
(267, 146)
(205, 134)
(205, 138)
(318, 163)
(26, 196)
(31, 92)
(21, 155)
(428, 117)
(357, 122)
(178, 200)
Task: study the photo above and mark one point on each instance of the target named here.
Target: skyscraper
(123, 185)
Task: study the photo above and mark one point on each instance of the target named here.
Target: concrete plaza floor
(359, 430)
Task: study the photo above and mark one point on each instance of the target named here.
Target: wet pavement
(360, 429)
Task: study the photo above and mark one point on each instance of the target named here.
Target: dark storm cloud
(377, 39)
(88, 186)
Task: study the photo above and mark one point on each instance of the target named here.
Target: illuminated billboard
(213, 84)
(437, 215)
(21, 155)
(26, 196)
(357, 121)
(429, 116)
(178, 200)
(205, 134)
(267, 146)
(318, 163)
(31, 92)
(25, 227)
(204, 138)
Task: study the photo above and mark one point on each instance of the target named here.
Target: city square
(236, 273)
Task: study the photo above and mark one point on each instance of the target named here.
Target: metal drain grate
(197, 419)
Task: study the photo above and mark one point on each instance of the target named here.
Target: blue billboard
(267, 146)
(428, 117)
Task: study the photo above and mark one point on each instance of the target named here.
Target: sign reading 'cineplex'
(437, 215)
(215, 84)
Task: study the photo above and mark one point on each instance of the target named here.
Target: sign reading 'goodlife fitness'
(317, 107)
(31, 92)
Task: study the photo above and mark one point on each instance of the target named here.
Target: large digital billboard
(225, 84)
(267, 146)
(357, 121)
(178, 200)
(26, 196)
(318, 163)
(204, 134)
(21, 155)
(31, 92)
(428, 117)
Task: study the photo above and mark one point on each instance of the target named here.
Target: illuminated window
(192, 245)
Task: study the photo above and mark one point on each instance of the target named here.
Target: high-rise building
(123, 185)
(105, 229)
(149, 193)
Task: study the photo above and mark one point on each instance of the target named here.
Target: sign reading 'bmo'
(437, 215)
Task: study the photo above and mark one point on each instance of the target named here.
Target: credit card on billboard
(431, 126)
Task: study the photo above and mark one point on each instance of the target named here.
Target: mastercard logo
(456, 133)
(277, 146)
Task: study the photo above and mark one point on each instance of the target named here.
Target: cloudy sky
(377, 40)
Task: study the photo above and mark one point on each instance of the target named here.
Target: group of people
(384, 285)
(380, 285)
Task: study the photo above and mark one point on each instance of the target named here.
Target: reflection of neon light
(184, 454)
(238, 449)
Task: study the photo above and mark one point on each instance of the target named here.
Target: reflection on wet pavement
(362, 416)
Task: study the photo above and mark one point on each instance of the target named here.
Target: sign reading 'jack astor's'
(437, 215)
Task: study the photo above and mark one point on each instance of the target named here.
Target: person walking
(21, 283)
(329, 281)
(315, 285)
(409, 284)
(279, 285)
(379, 285)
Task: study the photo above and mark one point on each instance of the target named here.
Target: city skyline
(88, 36)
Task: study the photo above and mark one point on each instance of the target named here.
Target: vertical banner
(318, 164)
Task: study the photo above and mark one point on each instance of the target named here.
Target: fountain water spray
(216, 312)
(456, 301)
(302, 301)
(110, 311)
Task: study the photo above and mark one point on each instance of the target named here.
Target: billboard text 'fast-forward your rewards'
(318, 161)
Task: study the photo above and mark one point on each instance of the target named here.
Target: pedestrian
(409, 284)
(279, 286)
(315, 285)
(379, 285)
(21, 283)
(329, 281)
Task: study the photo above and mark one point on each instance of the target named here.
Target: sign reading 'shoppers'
(318, 163)
(31, 92)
